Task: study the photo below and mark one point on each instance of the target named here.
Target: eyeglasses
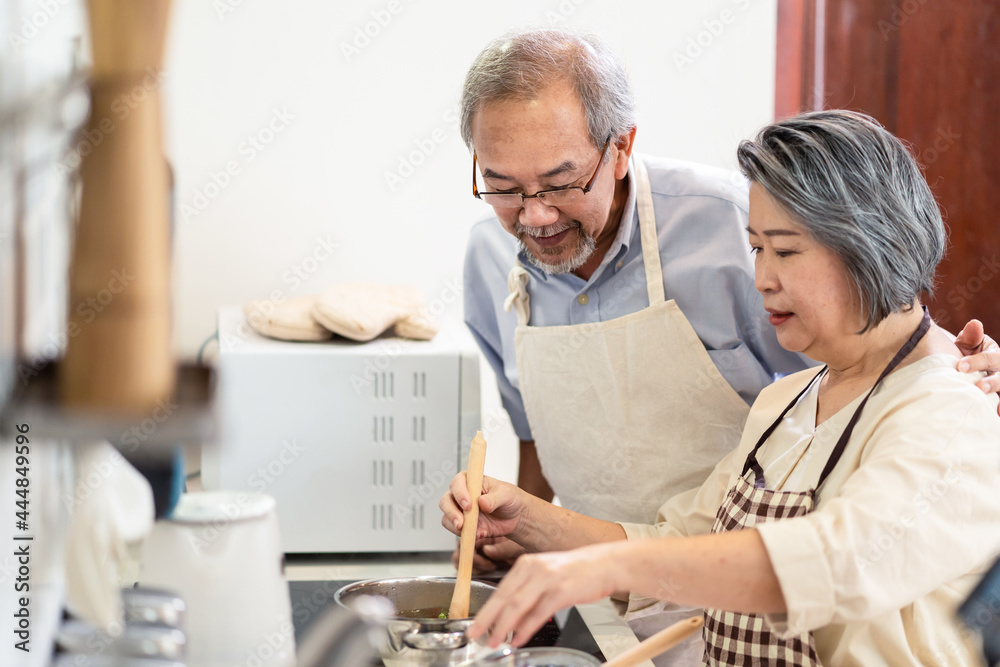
(557, 197)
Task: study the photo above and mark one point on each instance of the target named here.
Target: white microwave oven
(356, 441)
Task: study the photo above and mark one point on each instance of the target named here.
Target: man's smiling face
(528, 145)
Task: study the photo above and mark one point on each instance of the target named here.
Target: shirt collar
(628, 222)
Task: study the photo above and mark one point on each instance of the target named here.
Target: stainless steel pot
(431, 641)
(539, 657)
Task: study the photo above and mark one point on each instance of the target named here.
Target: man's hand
(508, 511)
(500, 507)
(492, 554)
(983, 354)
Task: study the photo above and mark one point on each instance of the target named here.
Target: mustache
(548, 230)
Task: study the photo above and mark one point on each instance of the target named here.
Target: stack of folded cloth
(359, 311)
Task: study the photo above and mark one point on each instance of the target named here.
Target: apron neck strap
(838, 450)
(647, 233)
(925, 325)
(751, 462)
(517, 297)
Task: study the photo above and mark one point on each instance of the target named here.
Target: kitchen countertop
(613, 635)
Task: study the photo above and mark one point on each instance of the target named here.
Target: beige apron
(628, 412)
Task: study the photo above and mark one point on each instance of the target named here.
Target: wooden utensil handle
(661, 642)
(467, 546)
(120, 359)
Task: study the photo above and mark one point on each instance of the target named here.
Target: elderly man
(615, 298)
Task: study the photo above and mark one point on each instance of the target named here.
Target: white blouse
(904, 526)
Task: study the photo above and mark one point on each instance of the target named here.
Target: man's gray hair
(858, 191)
(521, 64)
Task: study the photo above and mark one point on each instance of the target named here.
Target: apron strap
(518, 299)
(751, 462)
(647, 231)
(518, 278)
(838, 450)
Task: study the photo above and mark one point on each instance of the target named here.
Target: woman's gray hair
(858, 191)
(520, 65)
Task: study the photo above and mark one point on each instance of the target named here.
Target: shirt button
(583, 299)
(618, 265)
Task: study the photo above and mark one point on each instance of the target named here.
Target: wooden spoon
(661, 642)
(467, 546)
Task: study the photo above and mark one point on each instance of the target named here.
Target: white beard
(584, 249)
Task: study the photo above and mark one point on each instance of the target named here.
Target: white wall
(354, 116)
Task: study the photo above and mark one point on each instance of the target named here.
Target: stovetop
(566, 629)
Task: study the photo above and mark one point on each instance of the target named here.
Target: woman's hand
(541, 584)
(501, 506)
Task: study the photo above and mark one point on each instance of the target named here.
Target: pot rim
(430, 622)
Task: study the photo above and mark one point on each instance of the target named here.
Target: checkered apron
(743, 639)
(733, 638)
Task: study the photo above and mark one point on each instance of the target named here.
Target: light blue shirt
(701, 219)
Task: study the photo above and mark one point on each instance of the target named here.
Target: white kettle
(221, 552)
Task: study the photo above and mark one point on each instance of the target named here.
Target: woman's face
(807, 291)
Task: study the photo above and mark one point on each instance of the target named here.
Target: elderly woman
(860, 506)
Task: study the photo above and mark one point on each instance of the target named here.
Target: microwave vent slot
(385, 386)
(419, 429)
(383, 429)
(382, 516)
(417, 517)
(414, 513)
(419, 385)
(382, 473)
(418, 473)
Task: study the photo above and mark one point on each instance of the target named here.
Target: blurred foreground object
(118, 357)
(981, 612)
(109, 515)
